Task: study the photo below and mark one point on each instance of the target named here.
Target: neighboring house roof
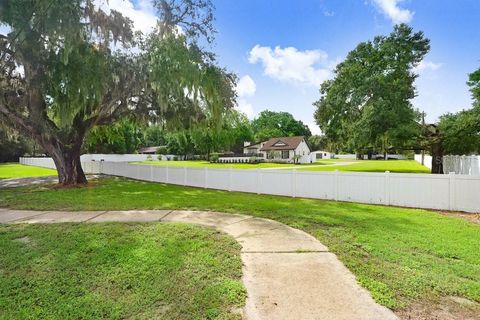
(253, 145)
(148, 150)
(283, 143)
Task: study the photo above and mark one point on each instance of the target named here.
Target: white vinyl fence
(462, 165)
(469, 165)
(447, 192)
(89, 167)
(427, 160)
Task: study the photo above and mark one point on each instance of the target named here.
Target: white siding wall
(304, 151)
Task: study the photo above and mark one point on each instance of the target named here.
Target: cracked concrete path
(288, 273)
(20, 182)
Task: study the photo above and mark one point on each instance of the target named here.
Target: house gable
(282, 143)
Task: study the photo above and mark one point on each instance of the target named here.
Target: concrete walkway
(288, 274)
(20, 182)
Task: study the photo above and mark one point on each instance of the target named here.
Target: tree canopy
(368, 103)
(271, 124)
(68, 66)
(460, 132)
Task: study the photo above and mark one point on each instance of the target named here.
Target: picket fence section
(462, 164)
(444, 192)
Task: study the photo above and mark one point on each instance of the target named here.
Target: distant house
(148, 150)
(253, 149)
(281, 149)
(319, 155)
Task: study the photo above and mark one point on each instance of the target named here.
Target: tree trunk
(437, 158)
(69, 167)
(66, 157)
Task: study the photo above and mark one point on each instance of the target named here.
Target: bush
(214, 157)
(162, 150)
(149, 158)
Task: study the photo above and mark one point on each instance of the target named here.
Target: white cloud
(391, 9)
(142, 15)
(328, 13)
(246, 107)
(309, 67)
(314, 128)
(426, 65)
(246, 87)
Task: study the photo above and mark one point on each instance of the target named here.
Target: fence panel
(275, 182)
(466, 193)
(319, 185)
(159, 174)
(196, 177)
(358, 187)
(219, 179)
(469, 165)
(419, 190)
(245, 180)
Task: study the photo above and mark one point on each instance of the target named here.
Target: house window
(285, 154)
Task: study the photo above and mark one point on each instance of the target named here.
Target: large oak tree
(368, 103)
(67, 66)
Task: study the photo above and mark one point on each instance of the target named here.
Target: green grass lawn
(402, 256)
(203, 164)
(399, 166)
(16, 170)
(118, 271)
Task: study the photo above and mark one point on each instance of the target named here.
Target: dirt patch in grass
(445, 308)
(471, 217)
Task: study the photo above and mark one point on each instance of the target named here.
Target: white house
(283, 149)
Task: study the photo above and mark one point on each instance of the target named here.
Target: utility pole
(423, 128)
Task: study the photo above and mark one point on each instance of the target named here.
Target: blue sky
(282, 50)
(253, 37)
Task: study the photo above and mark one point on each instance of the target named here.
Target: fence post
(185, 175)
(336, 184)
(294, 183)
(206, 178)
(258, 181)
(451, 191)
(387, 188)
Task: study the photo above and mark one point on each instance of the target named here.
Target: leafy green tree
(60, 76)
(319, 142)
(154, 136)
(460, 132)
(368, 103)
(125, 136)
(12, 145)
(240, 130)
(180, 143)
(271, 124)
